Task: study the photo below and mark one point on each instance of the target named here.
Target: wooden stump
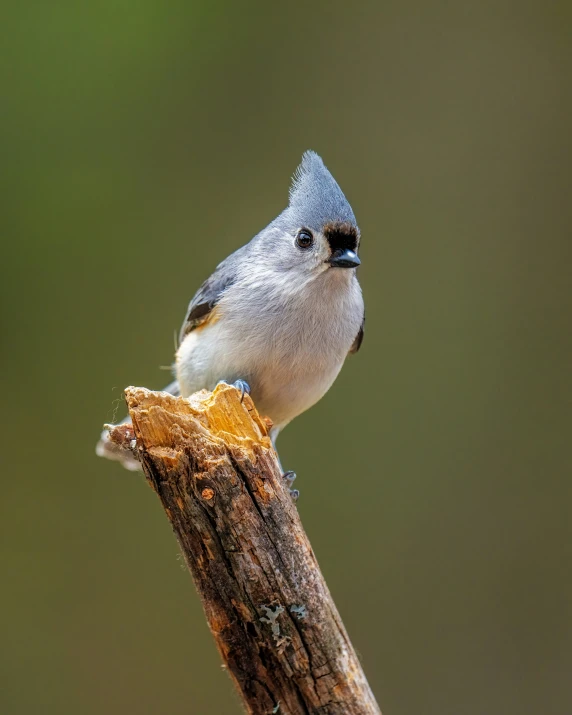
(211, 462)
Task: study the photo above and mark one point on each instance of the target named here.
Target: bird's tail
(106, 448)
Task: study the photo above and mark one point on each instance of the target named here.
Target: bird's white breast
(289, 343)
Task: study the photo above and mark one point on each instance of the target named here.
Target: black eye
(304, 238)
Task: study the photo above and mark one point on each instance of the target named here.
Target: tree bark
(211, 462)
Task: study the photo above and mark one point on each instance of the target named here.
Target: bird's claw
(243, 386)
(289, 478)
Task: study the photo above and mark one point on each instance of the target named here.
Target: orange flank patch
(209, 319)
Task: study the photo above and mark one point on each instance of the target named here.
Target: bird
(279, 316)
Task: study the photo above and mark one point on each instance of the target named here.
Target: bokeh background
(144, 141)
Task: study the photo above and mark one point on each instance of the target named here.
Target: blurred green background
(144, 141)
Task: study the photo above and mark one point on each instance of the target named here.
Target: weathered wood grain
(211, 462)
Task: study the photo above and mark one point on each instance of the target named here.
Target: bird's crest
(315, 196)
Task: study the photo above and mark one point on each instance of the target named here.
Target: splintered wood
(210, 460)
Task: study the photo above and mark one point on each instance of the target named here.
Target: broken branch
(210, 460)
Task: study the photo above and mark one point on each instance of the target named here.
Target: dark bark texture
(211, 462)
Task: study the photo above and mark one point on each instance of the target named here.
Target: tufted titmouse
(279, 316)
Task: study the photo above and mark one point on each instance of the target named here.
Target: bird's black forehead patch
(341, 234)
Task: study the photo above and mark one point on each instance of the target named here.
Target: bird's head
(317, 232)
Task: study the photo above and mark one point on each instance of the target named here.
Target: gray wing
(359, 339)
(209, 294)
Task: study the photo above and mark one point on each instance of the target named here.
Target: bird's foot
(244, 388)
(289, 477)
(241, 385)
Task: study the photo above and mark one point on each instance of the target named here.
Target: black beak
(344, 258)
